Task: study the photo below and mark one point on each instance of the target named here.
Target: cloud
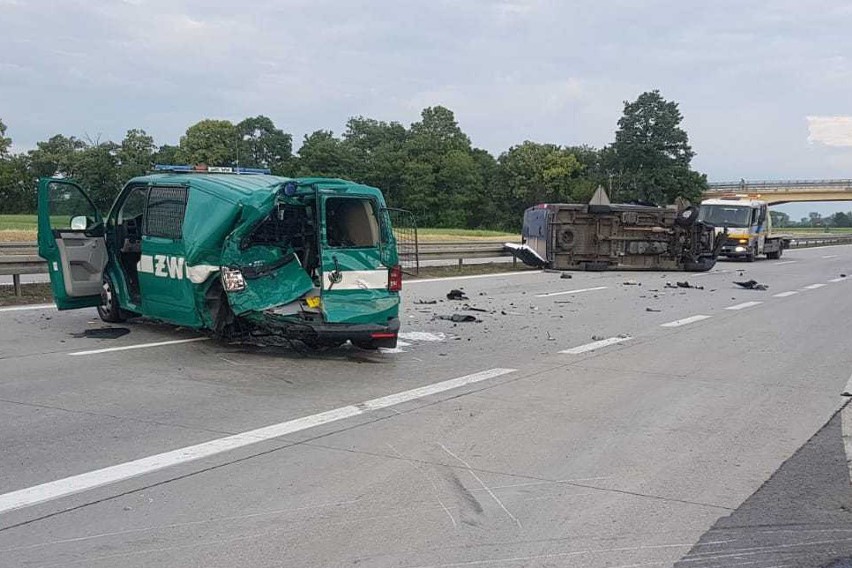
(830, 130)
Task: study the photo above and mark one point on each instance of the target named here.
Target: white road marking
(90, 480)
(517, 273)
(830, 256)
(684, 321)
(813, 286)
(595, 345)
(139, 346)
(841, 279)
(743, 306)
(785, 294)
(570, 292)
(420, 336)
(784, 262)
(30, 307)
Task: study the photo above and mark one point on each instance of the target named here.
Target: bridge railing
(778, 184)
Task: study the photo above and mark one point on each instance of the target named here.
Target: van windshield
(725, 215)
(351, 222)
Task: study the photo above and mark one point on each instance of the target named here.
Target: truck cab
(233, 251)
(746, 225)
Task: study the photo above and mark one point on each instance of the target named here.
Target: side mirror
(79, 223)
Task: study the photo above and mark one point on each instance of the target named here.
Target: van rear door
(71, 240)
(356, 256)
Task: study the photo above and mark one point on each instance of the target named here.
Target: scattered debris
(425, 301)
(458, 318)
(550, 337)
(598, 338)
(456, 295)
(652, 310)
(566, 276)
(470, 308)
(752, 285)
(631, 283)
(103, 333)
(684, 284)
(842, 275)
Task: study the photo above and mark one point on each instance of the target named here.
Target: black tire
(687, 217)
(776, 254)
(752, 254)
(109, 310)
(703, 265)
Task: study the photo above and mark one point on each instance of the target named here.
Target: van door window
(166, 208)
(128, 233)
(351, 223)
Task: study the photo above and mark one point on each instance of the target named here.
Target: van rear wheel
(109, 309)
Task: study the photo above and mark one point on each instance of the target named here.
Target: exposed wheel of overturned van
(704, 264)
(109, 310)
(687, 217)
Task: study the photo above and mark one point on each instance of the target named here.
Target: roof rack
(205, 169)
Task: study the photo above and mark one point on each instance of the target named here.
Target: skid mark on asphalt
(90, 480)
(483, 485)
(596, 345)
(426, 474)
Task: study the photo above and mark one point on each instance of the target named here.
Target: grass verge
(30, 294)
(468, 270)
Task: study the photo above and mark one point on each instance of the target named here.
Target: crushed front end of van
(314, 261)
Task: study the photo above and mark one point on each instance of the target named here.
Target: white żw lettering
(175, 267)
(160, 266)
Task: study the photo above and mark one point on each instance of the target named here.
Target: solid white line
(138, 346)
(30, 307)
(743, 305)
(594, 345)
(517, 273)
(570, 292)
(841, 279)
(684, 321)
(784, 262)
(785, 294)
(90, 480)
(813, 286)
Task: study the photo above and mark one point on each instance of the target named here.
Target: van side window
(351, 222)
(166, 208)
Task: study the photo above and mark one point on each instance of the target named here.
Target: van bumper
(361, 334)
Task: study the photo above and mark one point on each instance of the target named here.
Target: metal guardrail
(27, 262)
(745, 184)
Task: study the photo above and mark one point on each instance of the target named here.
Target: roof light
(205, 169)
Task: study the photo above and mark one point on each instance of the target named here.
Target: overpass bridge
(785, 191)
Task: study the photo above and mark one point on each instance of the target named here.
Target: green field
(18, 222)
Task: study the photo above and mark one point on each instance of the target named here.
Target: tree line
(430, 167)
(813, 220)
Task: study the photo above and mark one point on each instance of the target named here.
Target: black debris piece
(598, 338)
(752, 285)
(103, 333)
(566, 275)
(458, 318)
(456, 295)
(426, 301)
(684, 284)
(469, 308)
(652, 310)
(843, 276)
(631, 283)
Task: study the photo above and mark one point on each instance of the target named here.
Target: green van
(235, 251)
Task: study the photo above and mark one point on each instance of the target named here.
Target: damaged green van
(235, 251)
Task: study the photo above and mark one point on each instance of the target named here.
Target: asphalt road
(570, 427)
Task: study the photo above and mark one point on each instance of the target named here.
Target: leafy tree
(5, 143)
(780, 219)
(841, 219)
(378, 155)
(211, 142)
(96, 168)
(322, 154)
(135, 155)
(650, 158)
(56, 156)
(262, 145)
(166, 154)
(814, 219)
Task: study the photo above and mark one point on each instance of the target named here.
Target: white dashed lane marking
(595, 345)
(743, 306)
(32, 307)
(685, 321)
(813, 286)
(90, 480)
(785, 294)
(570, 292)
(138, 346)
(784, 262)
(841, 279)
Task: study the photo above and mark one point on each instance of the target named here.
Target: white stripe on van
(357, 280)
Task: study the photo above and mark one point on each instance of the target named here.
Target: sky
(764, 87)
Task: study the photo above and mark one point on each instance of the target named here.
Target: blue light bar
(186, 169)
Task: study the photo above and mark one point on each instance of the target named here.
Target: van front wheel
(109, 309)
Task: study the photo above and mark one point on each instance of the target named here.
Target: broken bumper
(374, 335)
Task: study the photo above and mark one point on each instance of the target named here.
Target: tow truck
(746, 220)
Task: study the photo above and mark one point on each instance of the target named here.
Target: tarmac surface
(602, 420)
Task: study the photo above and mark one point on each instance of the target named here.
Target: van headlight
(232, 279)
